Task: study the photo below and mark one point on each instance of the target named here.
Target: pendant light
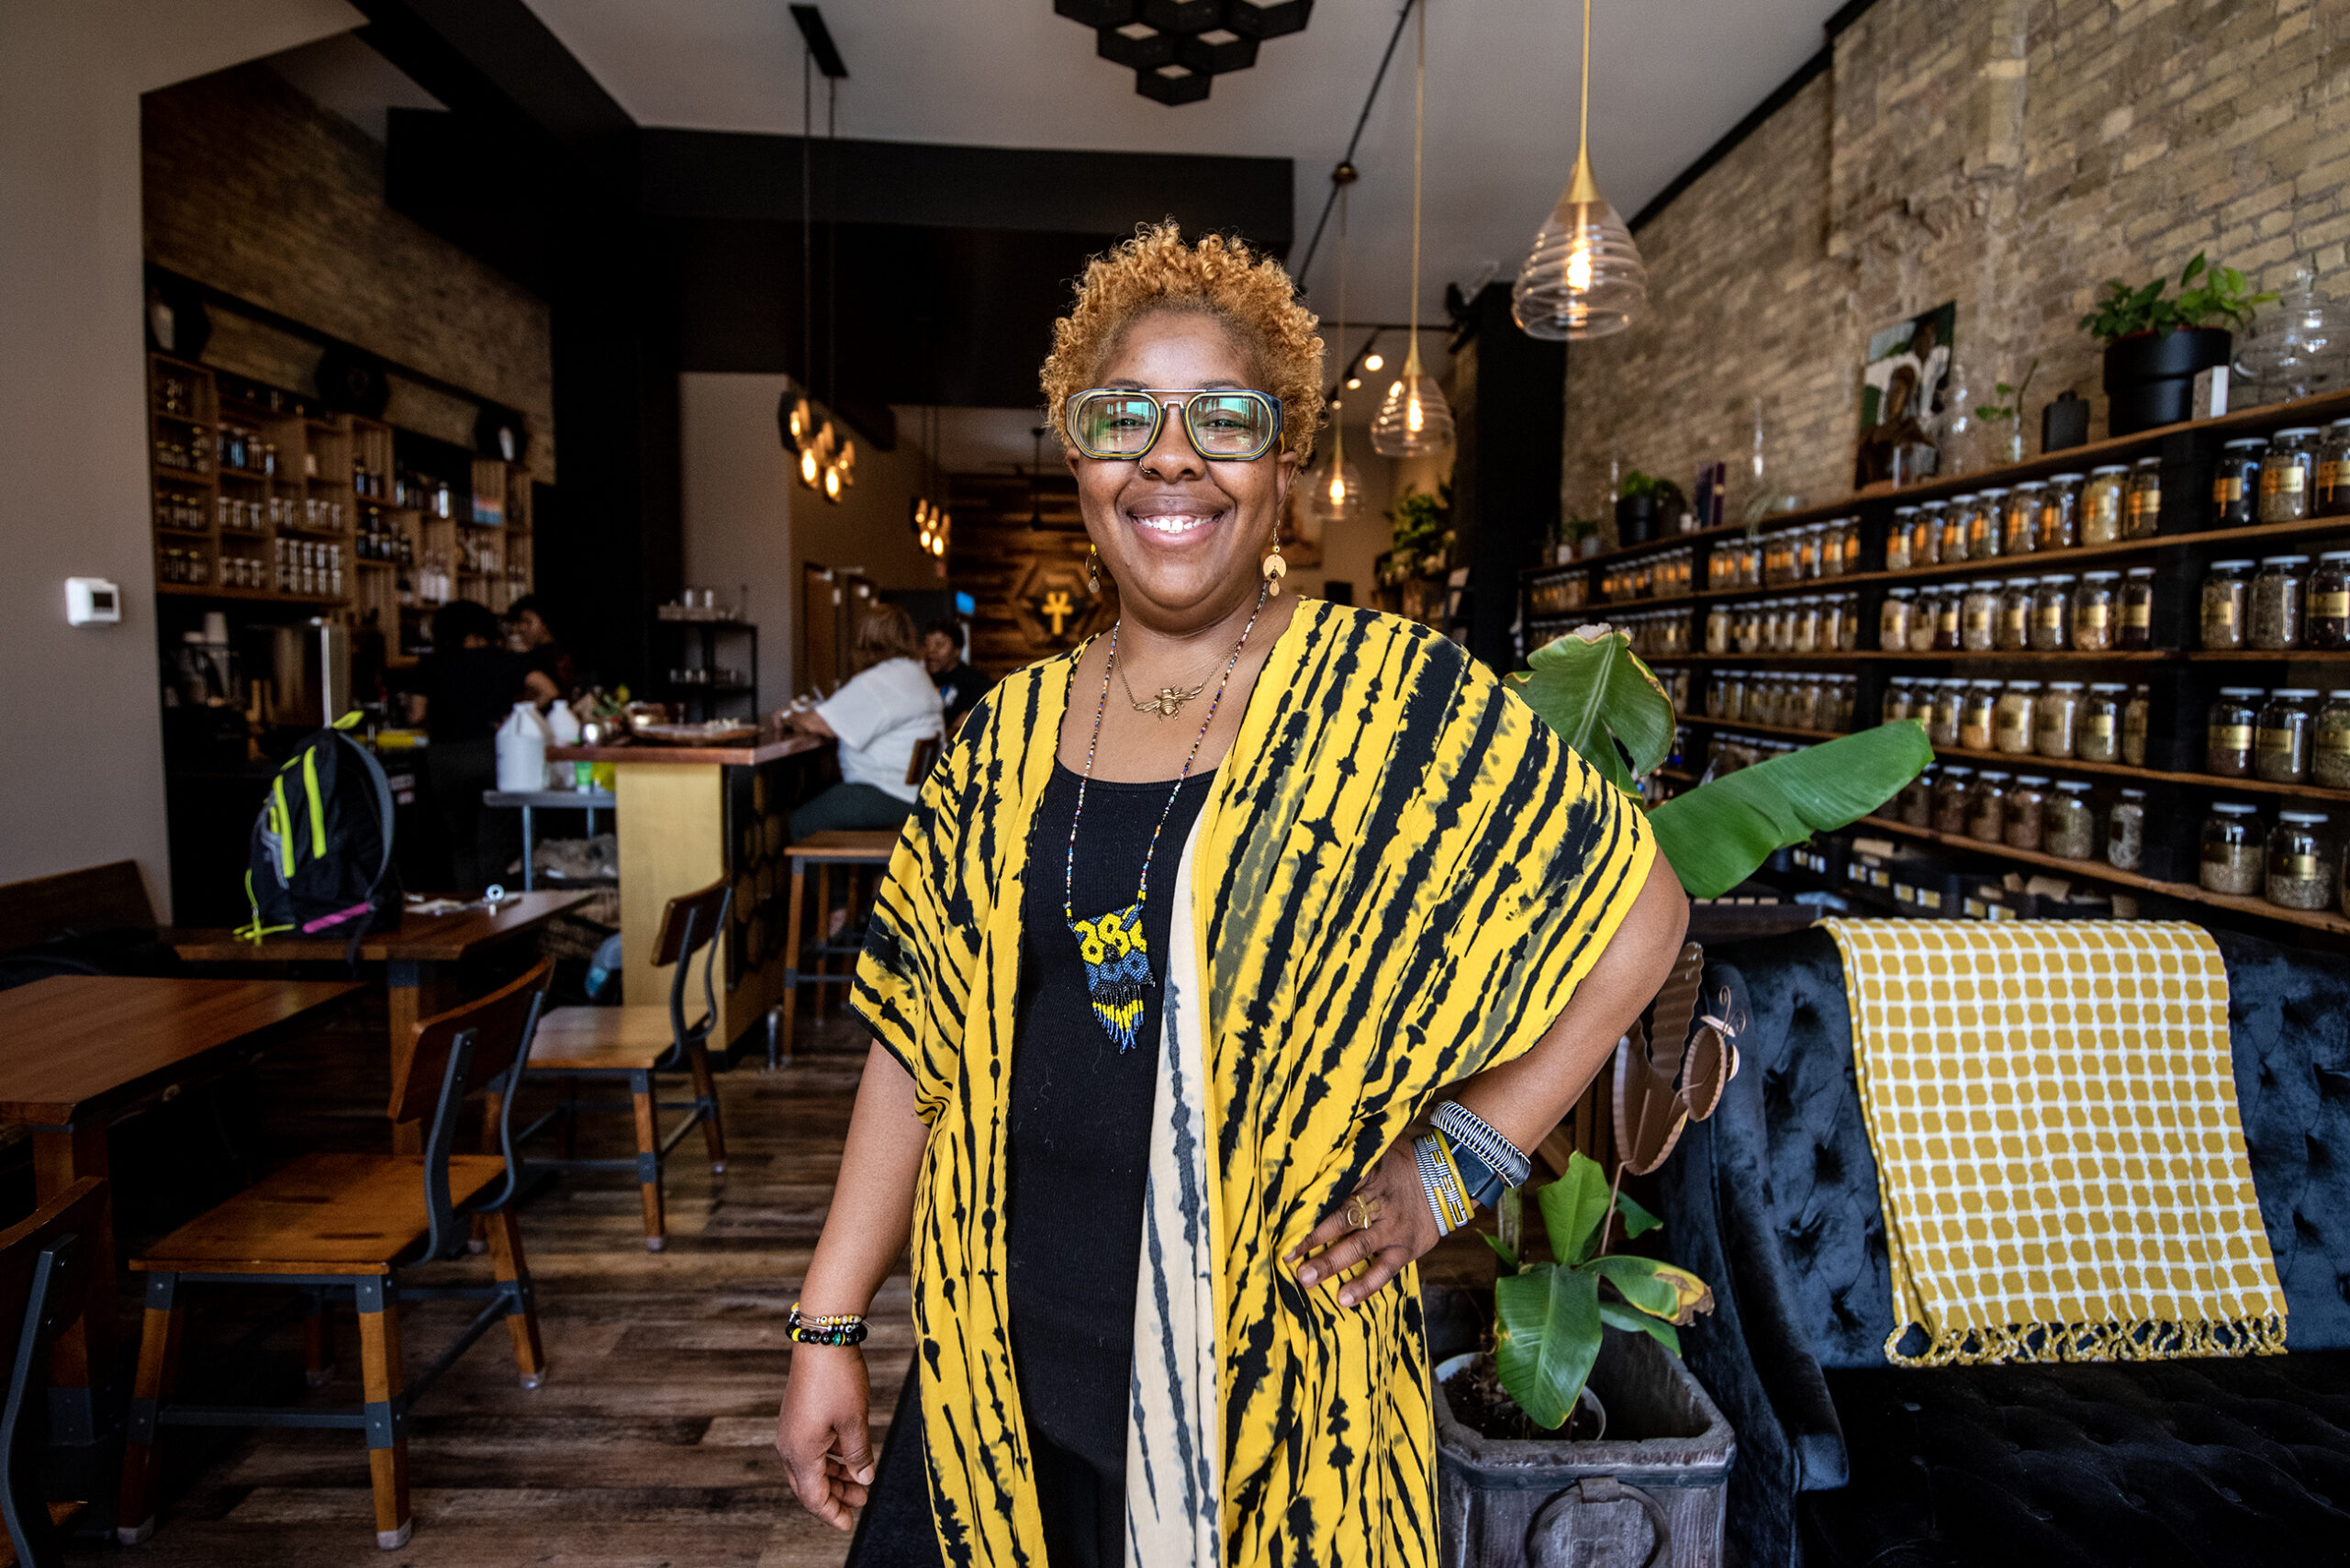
(1584, 277)
(1336, 496)
(1415, 420)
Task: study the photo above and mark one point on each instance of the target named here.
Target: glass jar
(1987, 809)
(2027, 813)
(2135, 629)
(1848, 697)
(2227, 732)
(1801, 711)
(1915, 805)
(1851, 537)
(2325, 619)
(1897, 539)
(1831, 622)
(1900, 701)
(2304, 862)
(1803, 625)
(1848, 635)
(1976, 722)
(1749, 634)
(1765, 700)
(2056, 725)
(1714, 692)
(2142, 504)
(2072, 824)
(2288, 475)
(1954, 792)
(2282, 737)
(2273, 617)
(1952, 547)
(2060, 513)
(2137, 718)
(1950, 711)
(1926, 534)
(1979, 617)
(2234, 860)
(2101, 508)
(2052, 604)
(2125, 832)
(1775, 632)
(2017, 714)
(1921, 625)
(2236, 486)
(1806, 545)
(2014, 633)
(1950, 614)
(1893, 618)
(2096, 612)
(1734, 696)
(2020, 522)
(2098, 736)
(2330, 743)
(2227, 604)
(2334, 470)
(1718, 624)
(1986, 525)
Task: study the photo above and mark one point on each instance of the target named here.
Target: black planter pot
(2150, 378)
(1636, 518)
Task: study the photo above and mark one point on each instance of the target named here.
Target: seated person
(959, 686)
(883, 712)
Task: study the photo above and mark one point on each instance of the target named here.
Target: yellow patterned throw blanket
(2059, 1157)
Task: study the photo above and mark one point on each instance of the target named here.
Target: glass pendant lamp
(1337, 494)
(1584, 277)
(1413, 421)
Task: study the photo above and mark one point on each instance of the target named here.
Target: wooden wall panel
(1021, 557)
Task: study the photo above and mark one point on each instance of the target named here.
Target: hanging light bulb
(1374, 363)
(808, 466)
(1584, 277)
(832, 482)
(1415, 420)
(802, 420)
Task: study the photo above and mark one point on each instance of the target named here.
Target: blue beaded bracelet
(842, 1329)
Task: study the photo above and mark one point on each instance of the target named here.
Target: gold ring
(1362, 1211)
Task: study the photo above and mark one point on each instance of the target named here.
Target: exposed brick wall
(2008, 154)
(252, 187)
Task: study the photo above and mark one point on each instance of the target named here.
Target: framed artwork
(1909, 370)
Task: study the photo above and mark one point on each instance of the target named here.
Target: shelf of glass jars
(2186, 892)
(1875, 656)
(1746, 726)
(222, 590)
(2031, 762)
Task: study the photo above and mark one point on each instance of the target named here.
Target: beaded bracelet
(1447, 1200)
(1471, 1133)
(841, 1329)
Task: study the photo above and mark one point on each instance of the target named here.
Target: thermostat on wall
(91, 601)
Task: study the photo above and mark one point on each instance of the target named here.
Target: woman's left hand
(1401, 1229)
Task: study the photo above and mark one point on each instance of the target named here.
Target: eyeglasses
(1121, 423)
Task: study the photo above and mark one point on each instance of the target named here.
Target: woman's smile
(1173, 522)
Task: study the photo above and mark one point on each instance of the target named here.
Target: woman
(548, 661)
(880, 716)
(1164, 1194)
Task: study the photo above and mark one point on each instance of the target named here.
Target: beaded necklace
(1117, 965)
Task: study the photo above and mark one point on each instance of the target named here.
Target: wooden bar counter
(688, 815)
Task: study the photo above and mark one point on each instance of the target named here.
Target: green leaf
(1508, 1258)
(1596, 694)
(1661, 1290)
(1572, 1208)
(1546, 1338)
(1618, 1315)
(1714, 835)
(2193, 267)
(1637, 1221)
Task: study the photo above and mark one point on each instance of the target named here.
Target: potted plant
(1589, 1315)
(2005, 418)
(1644, 505)
(2156, 347)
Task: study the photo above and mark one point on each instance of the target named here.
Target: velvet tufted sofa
(1846, 1459)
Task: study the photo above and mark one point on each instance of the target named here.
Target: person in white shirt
(880, 717)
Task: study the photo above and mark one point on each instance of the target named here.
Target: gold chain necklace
(1168, 702)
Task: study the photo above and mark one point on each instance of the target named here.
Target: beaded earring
(1275, 568)
(1093, 569)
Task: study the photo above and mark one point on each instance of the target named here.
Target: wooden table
(76, 1051)
(421, 961)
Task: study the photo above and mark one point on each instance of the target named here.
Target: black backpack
(321, 858)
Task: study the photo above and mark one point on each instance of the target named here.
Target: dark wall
(1509, 410)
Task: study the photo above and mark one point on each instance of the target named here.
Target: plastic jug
(522, 750)
(563, 724)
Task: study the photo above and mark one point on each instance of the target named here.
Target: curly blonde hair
(1248, 294)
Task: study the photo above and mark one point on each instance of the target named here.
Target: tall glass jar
(2226, 611)
(2235, 860)
(1848, 695)
(2282, 737)
(2098, 736)
(1734, 696)
(1806, 544)
(2141, 506)
(2228, 731)
(2056, 725)
(1897, 539)
(1802, 709)
(1953, 521)
(2096, 612)
(2020, 524)
(1915, 805)
(1950, 609)
(2325, 622)
(1718, 621)
(1975, 724)
(2125, 832)
(1921, 625)
(1893, 618)
(2272, 620)
(2052, 604)
(1986, 525)
(1747, 631)
(2027, 813)
(1803, 624)
(2018, 715)
(2330, 743)
(1848, 637)
(2236, 486)
(1848, 535)
(2137, 721)
(2101, 508)
(1954, 792)
(2060, 513)
(2015, 614)
(2136, 627)
(1949, 708)
(2288, 475)
(2334, 470)
(1986, 811)
(1832, 621)
(1714, 688)
(2072, 824)
(2304, 861)
(1900, 701)
(1979, 617)
(1926, 534)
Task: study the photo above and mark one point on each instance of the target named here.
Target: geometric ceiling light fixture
(1413, 421)
(1584, 277)
(826, 458)
(1176, 48)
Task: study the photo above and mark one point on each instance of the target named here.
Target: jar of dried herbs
(1986, 525)
(2072, 824)
(2136, 627)
(2137, 720)
(1979, 617)
(2014, 633)
(2018, 713)
(1949, 608)
(2052, 607)
(1978, 717)
(2330, 743)
(2236, 486)
(2304, 861)
(2282, 737)
(2334, 470)
(2027, 813)
(2226, 605)
(2101, 508)
(2141, 507)
(1900, 701)
(1952, 548)
(2235, 860)
(2273, 618)
(1897, 539)
(1893, 617)
(2098, 736)
(2326, 620)
(2227, 732)
(2288, 475)
(1916, 805)
(2060, 526)
(1926, 534)
(1953, 790)
(1950, 712)
(2125, 832)
(2056, 724)
(2096, 612)
(1986, 812)
(2020, 522)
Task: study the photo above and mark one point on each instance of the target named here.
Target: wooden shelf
(2024, 761)
(1744, 727)
(1871, 655)
(266, 596)
(2188, 892)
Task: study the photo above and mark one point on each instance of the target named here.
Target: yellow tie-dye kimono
(1400, 879)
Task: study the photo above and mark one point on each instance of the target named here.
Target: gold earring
(1093, 569)
(1275, 568)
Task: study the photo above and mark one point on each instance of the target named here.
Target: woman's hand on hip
(1402, 1227)
(821, 1431)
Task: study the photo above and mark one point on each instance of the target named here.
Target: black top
(960, 689)
(469, 691)
(1080, 1127)
(549, 659)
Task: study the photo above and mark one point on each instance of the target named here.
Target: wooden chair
(43, 1265)
(631, 1044)
(338, 1222)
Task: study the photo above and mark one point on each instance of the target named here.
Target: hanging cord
(807, 220)
(832, 243)
(1583, 126)
(1360, 120)
(1419, 124)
